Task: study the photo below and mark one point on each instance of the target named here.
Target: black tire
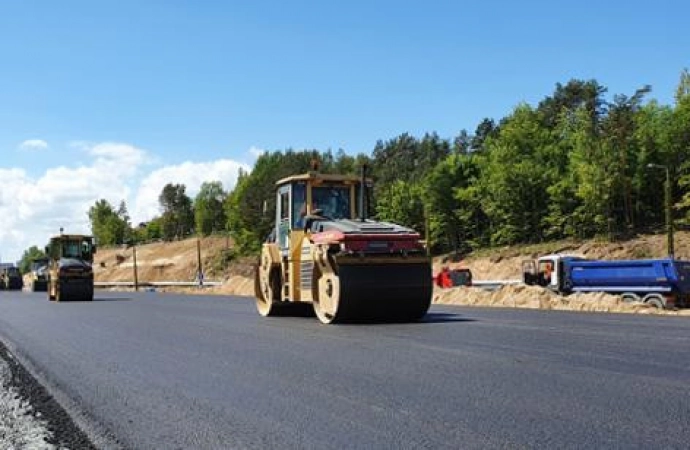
(655, 300)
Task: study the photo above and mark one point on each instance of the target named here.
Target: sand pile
(234, 285)
(534, 297)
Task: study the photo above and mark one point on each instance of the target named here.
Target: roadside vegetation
(578, 165)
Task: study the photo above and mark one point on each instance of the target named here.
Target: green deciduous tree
(209, 214)
(177, 220)
(28, 256)
(109, 227)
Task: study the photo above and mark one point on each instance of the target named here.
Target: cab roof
(71, 236)
(317, 176)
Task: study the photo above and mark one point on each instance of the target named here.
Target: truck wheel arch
(656, 300)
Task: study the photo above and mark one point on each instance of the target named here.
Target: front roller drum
(396, 292)
(267, 288)
(74, 291)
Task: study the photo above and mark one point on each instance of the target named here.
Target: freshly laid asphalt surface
(149, 370)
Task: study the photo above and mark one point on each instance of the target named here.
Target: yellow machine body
(323, 251)
(70, 275)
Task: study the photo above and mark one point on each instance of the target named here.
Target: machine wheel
(267, 285)
(325, 295)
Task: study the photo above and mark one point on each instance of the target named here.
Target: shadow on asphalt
(429, 318)
(113, 299)
(444, 317)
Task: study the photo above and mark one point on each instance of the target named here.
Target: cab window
(299, 204)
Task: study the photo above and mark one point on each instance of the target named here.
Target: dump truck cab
(549, 271)
(323, 250)
(70, 275)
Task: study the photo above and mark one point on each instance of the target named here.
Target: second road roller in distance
(323, 250)
(70, 275)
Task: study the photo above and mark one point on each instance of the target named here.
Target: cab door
(283, 218)
(548, 273)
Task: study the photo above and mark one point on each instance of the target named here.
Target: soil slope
(177, 261)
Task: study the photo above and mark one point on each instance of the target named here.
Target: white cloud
(191, 174)
(32, 209)
(33, 144)
(256, 152)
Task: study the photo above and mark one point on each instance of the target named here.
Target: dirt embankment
(177, 261)
(504, 263)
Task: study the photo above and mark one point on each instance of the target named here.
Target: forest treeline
(574, 165)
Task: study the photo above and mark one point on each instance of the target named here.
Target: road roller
(325, 251)
(70, 275)
(38, 274)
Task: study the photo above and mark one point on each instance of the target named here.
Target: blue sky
(186, 84)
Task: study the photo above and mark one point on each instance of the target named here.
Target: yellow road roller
(324, 251)
(70, 275)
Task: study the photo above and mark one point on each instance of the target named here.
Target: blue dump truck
(664, 283)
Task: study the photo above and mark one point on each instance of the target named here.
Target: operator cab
(72, 247)
(306, 201)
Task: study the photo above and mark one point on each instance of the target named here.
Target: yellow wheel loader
(324, 251)
(70, 275)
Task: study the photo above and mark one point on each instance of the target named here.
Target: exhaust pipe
(363, 195)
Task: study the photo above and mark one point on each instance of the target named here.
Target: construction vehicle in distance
(664, 282)
(38, 274)
(10, 278)
(324, 250)
(70, 275)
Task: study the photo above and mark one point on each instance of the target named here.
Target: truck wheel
(655, 300)
(629, 297)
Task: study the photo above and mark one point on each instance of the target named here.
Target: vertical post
(200, 273)
(427, 234)
(136, 272)
(669, 215)
(669, 207)
(363, 194)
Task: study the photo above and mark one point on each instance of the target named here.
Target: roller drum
(385, 292)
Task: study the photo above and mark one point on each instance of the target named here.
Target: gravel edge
(61, 430)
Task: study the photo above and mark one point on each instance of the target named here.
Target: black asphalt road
(173, 371)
